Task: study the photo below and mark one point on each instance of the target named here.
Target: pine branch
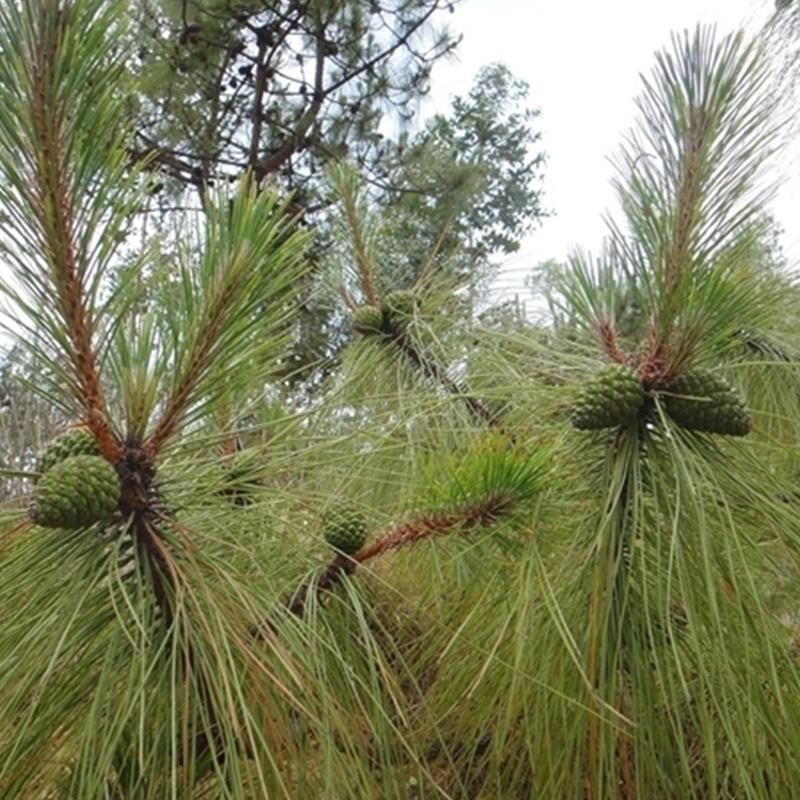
(690, 182)
(687, 211)
(238, 307)
(360, 227)
(292, 143)
(199, 361)
(480, 514)
(362, 233)
(474, 515)
(55, 207)
(259, 91)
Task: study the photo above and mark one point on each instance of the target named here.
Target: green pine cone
(368, 320)
(345, 530)
(76, 493)
(612, 397)
(74, 442)
(702, 401)
(399, 306)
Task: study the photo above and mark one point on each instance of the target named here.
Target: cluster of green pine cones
(698, 400)
(77, 487)
(392, 316)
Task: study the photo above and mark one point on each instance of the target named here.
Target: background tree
(284, 88)
(278, 88)
(468, 185)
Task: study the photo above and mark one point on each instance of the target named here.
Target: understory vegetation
(460, 554)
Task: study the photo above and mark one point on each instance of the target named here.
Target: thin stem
(200, 359)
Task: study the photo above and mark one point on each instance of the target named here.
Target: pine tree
(483, 562)
(164, 640)
(277, 88)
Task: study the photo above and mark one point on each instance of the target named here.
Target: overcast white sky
(583, 60)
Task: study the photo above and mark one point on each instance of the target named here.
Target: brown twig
(427, 267)
(292, 143)
(688, 194)
(466, 518)
(363, 262)
(346, 298)
(259, 91)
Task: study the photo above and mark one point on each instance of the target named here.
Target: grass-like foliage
(509, 607)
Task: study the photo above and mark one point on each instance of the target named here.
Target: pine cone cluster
(76, 492)
(394, 314)
(613, 397)
(701, 401)
(345, 530)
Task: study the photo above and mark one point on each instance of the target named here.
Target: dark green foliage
(77, 492)
(345, 530)
(701, 401)
(612, 397)
(74, 442)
